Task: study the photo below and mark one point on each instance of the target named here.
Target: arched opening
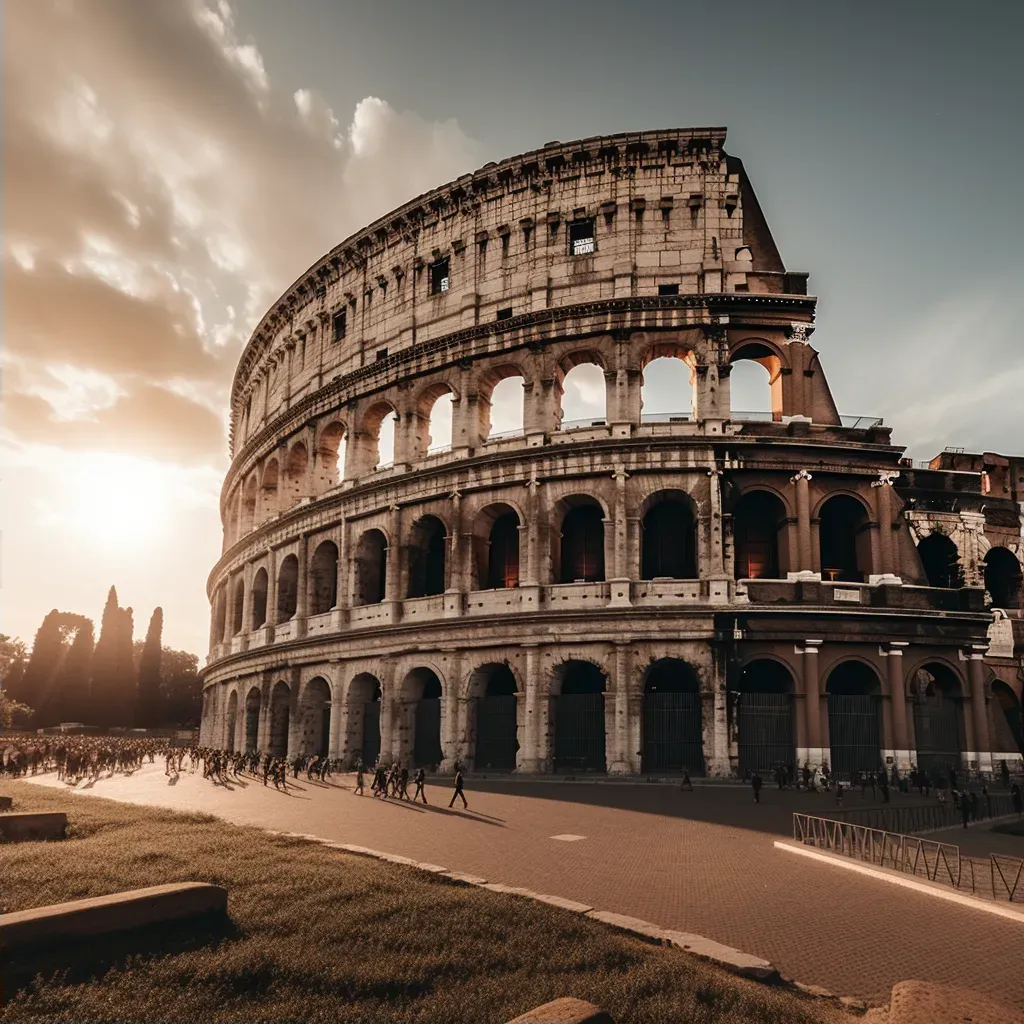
(844, 540)
(287, 588)
(673, 730)
(268, 490)
(668, 541)
(237, 606)
(323, 568)
(232, 722)
(259, 598)
(938, 719)
(1003, 578)
(941, 561)
(1007, 721)
(853, 726)
(252, 720)
(364, 699)
(755, 384)
(427, 545)
(438, 409)
(579, 718)
(583, 401)
(494, 689)
(496, 548)
(249, 497)
(296, 468)
(759, 521)
(581, 542)
(501, 408)
(422, 689)
(330, 457)
(280, 712)
(764, 712)
(315, 711)
(669, 385)
(370, 568)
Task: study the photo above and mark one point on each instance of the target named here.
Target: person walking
(965, 809)
(458, 789)
(839, 794)
(403, 782)
(359, 780)
(1016, 799)
(686, 783)
(419, 780)
(755, 783)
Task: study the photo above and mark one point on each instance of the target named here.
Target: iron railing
(997, 877)
(926, 817)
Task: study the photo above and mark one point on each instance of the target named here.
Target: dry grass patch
(333, 937)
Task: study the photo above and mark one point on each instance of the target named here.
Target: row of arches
(1002, 572)
(582, 385)
(579, 718)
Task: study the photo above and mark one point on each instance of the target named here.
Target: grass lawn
(327, 936)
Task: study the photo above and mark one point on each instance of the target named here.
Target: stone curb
(1008, 910)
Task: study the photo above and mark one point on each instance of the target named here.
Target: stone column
(982, 751)
(804, 555)
(617, 744)
(302, 590)
(247, 599)
(460, 557)
(271, 593)
(528, 759)
(337, 744)
(717, 577)
(449, 726)
(393, 570)
(465, 414)
(902, 752)
(388, 738)
(715, 713)
(263, 731)
(531, 535)
(815, 752)
(619, 579)
(887, 563)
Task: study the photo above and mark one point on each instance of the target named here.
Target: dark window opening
(742, 288)
(439, 279)
(668, 289)
(382, 353)
(503, 554)
(583, 545)
(581, 238)
(338, 324)
(669, 542)
(505, 314)
(757, 521)
(427, 558)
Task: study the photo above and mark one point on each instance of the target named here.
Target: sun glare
(116, 501)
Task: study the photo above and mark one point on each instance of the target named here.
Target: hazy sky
(170, 166)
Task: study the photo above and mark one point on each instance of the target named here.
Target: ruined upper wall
(668, 209)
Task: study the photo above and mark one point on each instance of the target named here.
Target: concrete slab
(930, 1002)
(23, 826)
(630, 924)
(564, 1011)
(558, 901)
(725, 956)
(461, 876)
(94, 918)
(6, 803)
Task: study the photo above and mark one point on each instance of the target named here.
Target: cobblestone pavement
(700, 862)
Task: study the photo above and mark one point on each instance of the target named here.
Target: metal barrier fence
(926, 817)
(998, 877)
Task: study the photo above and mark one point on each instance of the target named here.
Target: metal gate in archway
(496, 744)
(279, 720)
(325, 732)
(426, 746)
(579, 732)
(854, 734)
(938, 734)
(673, 733)
(371, 733)
(765, 725)
(252, 727)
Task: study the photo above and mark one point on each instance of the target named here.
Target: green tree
(38, 684)
(127, 690)
(13, 662)
(73, 676)
(103, 686)
(149, 709)
(181, 689)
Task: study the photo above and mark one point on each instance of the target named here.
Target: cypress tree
(127, 691)
(103, 688)
(73, 678)
(37, 685)
(149, 673)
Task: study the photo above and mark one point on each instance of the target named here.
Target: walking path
(699, 862)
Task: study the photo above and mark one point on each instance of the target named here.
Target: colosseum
(405, 574)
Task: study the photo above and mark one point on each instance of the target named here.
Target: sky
(170, 167)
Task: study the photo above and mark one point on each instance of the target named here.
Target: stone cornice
(557, 159)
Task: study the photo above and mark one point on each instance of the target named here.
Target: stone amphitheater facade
(706, 590)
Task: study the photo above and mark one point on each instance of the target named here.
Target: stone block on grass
(24, 826)
(564, 1011)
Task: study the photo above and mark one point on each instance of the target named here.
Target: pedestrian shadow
(172, 780)
(468, 815)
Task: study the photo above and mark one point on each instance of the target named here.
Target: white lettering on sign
(847, 595)
(582, 246)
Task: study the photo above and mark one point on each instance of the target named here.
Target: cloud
(160, 191)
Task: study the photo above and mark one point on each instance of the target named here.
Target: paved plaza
(700, 862)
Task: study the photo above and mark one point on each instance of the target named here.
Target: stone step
(564, 1011)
